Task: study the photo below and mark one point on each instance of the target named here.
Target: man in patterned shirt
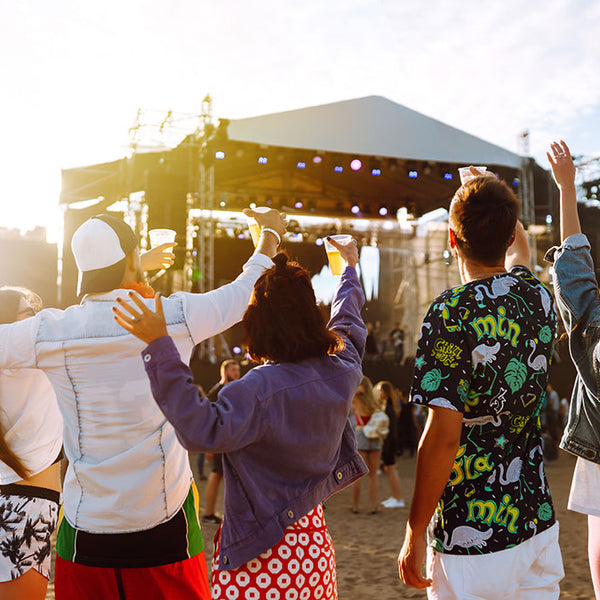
(482, 369)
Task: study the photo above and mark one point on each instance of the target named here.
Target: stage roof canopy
(372, 126)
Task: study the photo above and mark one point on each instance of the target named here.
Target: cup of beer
(254, 226)
(466, 175)
(161, 236)
(336, 262)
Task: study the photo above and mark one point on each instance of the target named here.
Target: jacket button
(225, 560)
(339, 475)
(147, 357)
(291, 514)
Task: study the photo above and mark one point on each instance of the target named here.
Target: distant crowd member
(576, 291)
(397, 339)
(230, 371)
(371, 346)
(371, 426)
(482, 369)
(410, 425)
(130, 506)
(30, 453)
(283, 429)
(385, 395)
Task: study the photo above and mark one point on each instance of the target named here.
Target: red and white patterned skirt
(299, 567)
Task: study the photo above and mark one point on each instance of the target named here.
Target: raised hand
(272, 219)
(160, 257)
(561, 163)
(349, 252)
(139, 320)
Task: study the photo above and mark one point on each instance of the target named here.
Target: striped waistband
(175, 540)
(30, 491)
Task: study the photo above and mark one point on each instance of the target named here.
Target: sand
(367, 545)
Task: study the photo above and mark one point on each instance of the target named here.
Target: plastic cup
(466, 175)
(336, 262)
(254, 226)
(161, 236)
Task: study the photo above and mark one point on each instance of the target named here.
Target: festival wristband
(274, 233)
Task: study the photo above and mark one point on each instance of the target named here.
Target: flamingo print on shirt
(484, 350)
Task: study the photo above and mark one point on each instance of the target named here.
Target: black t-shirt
(484, 350)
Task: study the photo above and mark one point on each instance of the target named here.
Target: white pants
(529, 571)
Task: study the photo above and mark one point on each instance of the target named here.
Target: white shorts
(529, 571)
(585, 488)
(27, 520)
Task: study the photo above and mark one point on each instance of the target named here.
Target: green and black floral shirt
(484, 350)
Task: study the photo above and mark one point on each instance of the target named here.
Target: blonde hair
(225, 365)
(367, 400)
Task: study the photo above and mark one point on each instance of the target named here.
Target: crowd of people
(107, 383)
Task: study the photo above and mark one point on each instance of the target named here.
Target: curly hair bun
(280, 260)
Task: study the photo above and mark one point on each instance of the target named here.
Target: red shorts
(183, 580)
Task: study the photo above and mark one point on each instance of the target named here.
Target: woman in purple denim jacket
(283, 429)
(576, 291)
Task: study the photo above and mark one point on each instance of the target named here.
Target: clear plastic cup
(161, 236)
(466, 175)
(254, 226)
(336, 262)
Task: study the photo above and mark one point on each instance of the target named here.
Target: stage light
(319, 241)
(262, 160)
(317, 159)
(355, 209)
(253, 205)
(355, 165)
(548, 219)
(222, 204)
(515, 182)
(236, 350)
(413, 174)
(383, 211)
(301, 165)
(376, 172)
(338, 169)
(448, 176)
(219, 155)
(298, 204)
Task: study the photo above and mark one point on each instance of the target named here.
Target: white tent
(373, 126)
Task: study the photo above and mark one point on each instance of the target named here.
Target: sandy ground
(367, 545)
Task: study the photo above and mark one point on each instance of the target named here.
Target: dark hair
(483, 216)
(10, 298)
(283, 322)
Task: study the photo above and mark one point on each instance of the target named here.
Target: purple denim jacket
(283, 429)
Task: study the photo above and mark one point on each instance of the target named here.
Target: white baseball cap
(100, 247)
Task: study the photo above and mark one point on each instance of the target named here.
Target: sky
(73, 74)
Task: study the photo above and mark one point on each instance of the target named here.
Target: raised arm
(563, 171)
(201, 425)
(518, 251)
(575, 284)
(348, 301)
(215, 311)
